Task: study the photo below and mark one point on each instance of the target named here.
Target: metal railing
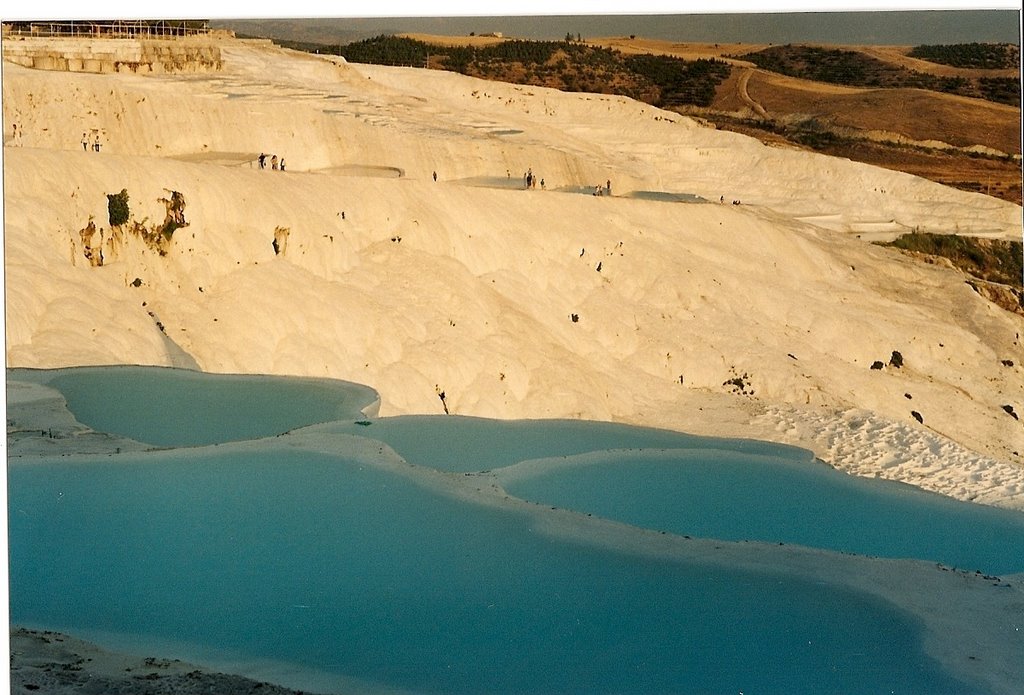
(113, 29)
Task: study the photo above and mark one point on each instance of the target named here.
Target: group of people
(530, 181)
(275, 164)
(95, 143)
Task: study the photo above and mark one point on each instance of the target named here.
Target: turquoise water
(338, 567)
(467, 444)
(731, 489)
(344, 570)
(716, 494)
(171, 407)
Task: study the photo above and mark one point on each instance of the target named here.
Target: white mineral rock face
(760, 319)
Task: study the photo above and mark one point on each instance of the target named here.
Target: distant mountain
(325, 31)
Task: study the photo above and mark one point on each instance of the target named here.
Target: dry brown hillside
(900, 129)
(897, 55)
(917, 114)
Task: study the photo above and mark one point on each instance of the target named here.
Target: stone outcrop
(183, 54)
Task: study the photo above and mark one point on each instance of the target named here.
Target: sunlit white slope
(761, 319)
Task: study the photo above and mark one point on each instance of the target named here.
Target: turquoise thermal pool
(355, 554)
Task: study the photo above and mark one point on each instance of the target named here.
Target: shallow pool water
(666, 197)
(465, 444)
(733, 489)
(506, 182)
(717, 494)
(341, 568)
(358, 567)
(173, 407)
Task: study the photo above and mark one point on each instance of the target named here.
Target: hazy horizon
(885, 27)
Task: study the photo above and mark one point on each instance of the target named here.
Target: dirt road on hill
(741, 88)
(916, 114)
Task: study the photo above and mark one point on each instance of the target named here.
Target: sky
(409, 8)
(909, 27)
(777, 21)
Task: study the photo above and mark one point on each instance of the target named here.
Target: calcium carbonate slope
(758, 319)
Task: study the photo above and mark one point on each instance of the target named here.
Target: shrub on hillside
(1004, 90)
(384, 50)
(680, 81)
(994, 260)
(566, 65)
(117, 208)
(821, 64)
(859, 70)
(988, 56)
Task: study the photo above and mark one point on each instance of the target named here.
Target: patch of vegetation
(520, 51)
(117, 208)
(811, 134)
(822, 64)
(156, 236)
(383, 50)
(992, 260)
(856, 69)
(1004, 90)
(987, 56)
(566, 65)
(680, 81)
